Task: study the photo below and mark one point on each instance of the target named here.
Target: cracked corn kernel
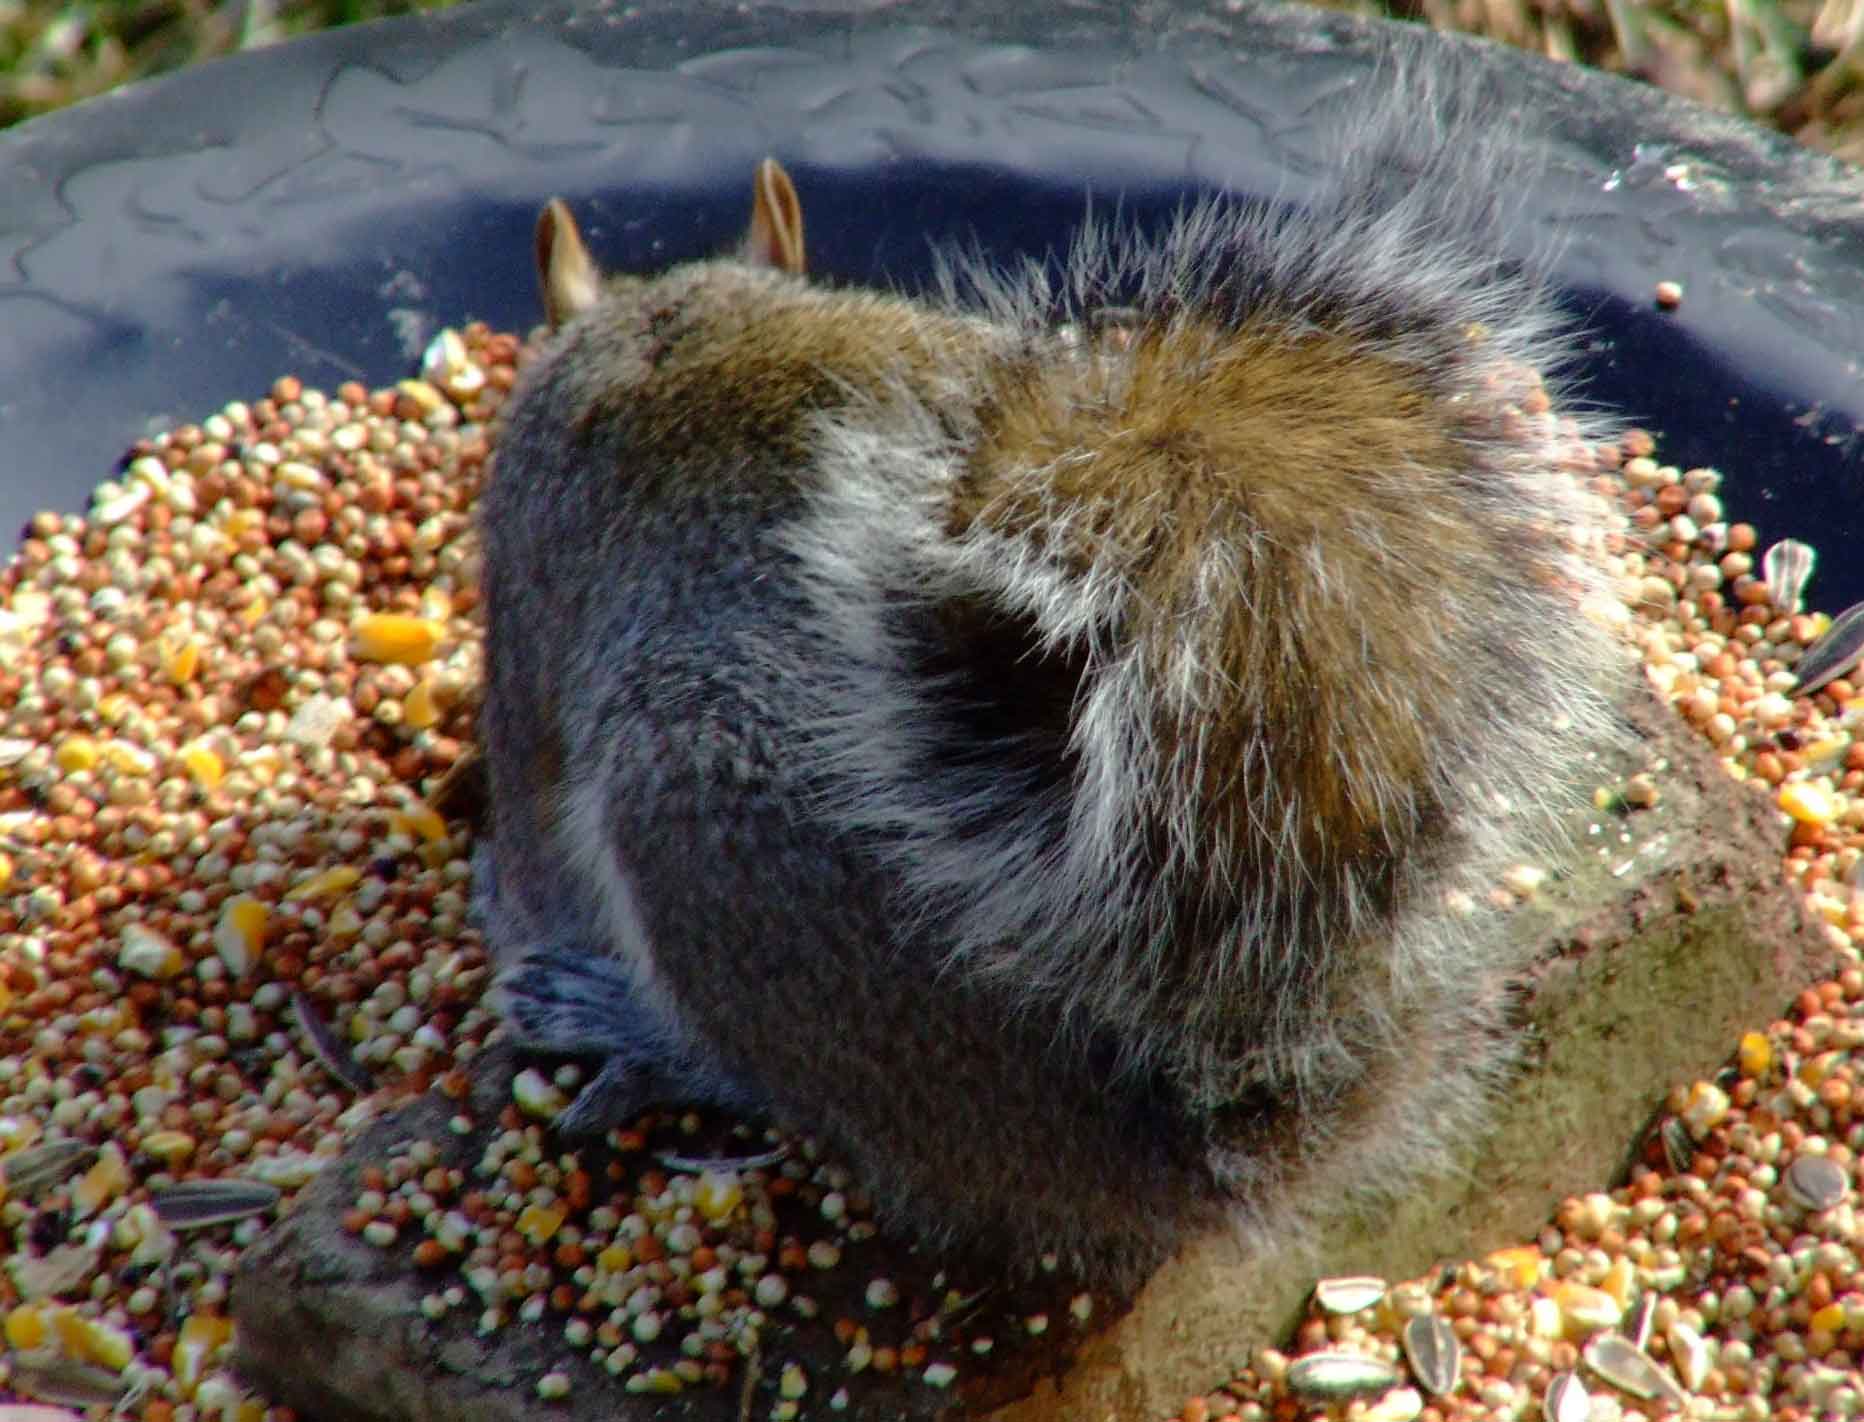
(181, 662)
(325, 883)
(1808, 803)
(91, 1340)
(240, 933)
(540, 1224)
(103, 1182)
(420, 710)
(205, 768)
(396, 637)
(1584, 1309)
(1707, 1108)
(718, 1194)
(1523, 1265)
(421, 822)
(127, 759)
(1756, 1053)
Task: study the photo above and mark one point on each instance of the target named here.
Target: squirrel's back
(1049, 737)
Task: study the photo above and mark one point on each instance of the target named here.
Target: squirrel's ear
(776, 235)
(566, 274)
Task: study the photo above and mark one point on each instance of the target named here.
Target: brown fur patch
(728, 375)
(1320, 470)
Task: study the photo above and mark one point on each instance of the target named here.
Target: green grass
(1795, 64)
(56, 52)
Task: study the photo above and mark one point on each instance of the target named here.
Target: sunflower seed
(28, 1173)
(1351, 1294)
(1834, 654)
(55, 1272)
(1786, 567)
(331, 1054)
(699, 1165)
(1620, 1362)
(196, 1204)
(1689, 1352)
(1816, 1182)
(1640, 1320)
(1433, 1353)
(1679, 1147)
(49, 1376)
(1567, 1399)
(1340, 1374)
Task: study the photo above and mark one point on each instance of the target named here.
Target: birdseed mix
(232, 694)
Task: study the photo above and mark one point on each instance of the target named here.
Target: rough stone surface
(1671, 934)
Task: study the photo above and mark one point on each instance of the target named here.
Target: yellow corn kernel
(200, 1338)
(1523, 1265)
(1620, 1280)
(1808, 803)
(127, 759)
(75, 754)
(396, 637)
(103, 1182)
(114, 709)
(91, 1340)
(169, 1147)
(239, 935)
(616, 1259)
(419, 821)
(242, 521)
(420, 710)
(1584, 1309)
(205, 768)
(437, 603)
(181, 661)
(254, 611)
(718, 1194)
(425, 397)
(539, 1224)
(1756, 1054)
(25, 1328)
(325, 883)
(6, 872)
(1830, 1319)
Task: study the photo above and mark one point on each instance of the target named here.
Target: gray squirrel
(1052, 739)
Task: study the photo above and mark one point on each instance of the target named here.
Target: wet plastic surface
(322, 208)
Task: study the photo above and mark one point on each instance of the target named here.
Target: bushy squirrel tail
(1243, 616)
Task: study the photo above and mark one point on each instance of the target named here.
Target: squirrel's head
(571, 282)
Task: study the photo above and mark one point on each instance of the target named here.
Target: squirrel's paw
(576, 1000)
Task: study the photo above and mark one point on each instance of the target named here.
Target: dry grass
(1795, 64)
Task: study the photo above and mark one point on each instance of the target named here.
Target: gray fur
(751, 845)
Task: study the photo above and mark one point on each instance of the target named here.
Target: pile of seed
(228, 909)
(1724, 1281)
